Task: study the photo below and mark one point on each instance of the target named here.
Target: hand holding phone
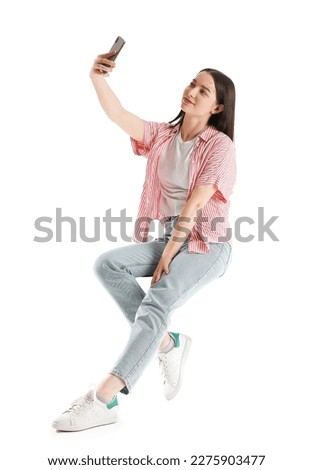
(104, 63)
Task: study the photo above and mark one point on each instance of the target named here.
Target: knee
(101, 265)
(105, 263)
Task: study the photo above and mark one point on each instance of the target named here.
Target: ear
(218, 109)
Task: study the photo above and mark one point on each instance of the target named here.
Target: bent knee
(106, 262)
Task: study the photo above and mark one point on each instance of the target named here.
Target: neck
(190, 128)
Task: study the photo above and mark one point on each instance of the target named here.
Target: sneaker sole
(77, 429)
(182, 368)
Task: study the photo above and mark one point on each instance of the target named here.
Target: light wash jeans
(149, 313)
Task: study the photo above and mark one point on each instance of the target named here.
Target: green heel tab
(113, 403)
(175, 337)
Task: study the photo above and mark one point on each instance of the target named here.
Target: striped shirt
(212, 162)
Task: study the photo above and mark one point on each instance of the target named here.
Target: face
(199, 98)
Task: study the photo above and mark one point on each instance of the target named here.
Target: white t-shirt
(173, 172)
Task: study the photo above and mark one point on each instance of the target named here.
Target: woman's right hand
(103, 65)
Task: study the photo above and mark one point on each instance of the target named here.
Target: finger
(107, 68)
(106, 57)
(108, 62)
(102, 69)
(107, 65)
(108, 54)
(155, 278)
(165, 269)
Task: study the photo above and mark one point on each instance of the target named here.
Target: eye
(192, 84)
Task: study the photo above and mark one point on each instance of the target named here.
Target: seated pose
(190, 174)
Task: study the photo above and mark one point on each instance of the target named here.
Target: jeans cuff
(125, 390)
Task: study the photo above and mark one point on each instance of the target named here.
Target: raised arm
(129, 122)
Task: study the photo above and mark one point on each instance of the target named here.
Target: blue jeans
(148, 313)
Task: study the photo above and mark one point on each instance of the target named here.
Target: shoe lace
(164, 368)
(82, 402)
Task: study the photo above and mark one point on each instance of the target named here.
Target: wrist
(170, 251)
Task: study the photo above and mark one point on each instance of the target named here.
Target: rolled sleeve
(220, 170)
(144, 148)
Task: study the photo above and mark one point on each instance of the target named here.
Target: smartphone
(117, 46)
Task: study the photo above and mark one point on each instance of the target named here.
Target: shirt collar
(208, 132)
(205, 135)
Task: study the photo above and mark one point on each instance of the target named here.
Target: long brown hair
(226, 95)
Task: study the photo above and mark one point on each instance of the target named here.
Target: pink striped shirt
(212, 162)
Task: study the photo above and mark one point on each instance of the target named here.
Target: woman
(189, 178)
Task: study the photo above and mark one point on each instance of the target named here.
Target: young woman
(190, 175)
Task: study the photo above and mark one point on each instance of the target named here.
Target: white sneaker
(87, 412)
(172, 364)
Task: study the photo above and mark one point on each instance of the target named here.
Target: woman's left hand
(162, 267)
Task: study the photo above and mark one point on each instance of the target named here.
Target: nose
(192, 92)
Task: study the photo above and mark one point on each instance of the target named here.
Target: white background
(248, 385)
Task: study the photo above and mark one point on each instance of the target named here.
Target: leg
(117, 270)
(188, 273)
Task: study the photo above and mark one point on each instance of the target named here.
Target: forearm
(107, 98)
(128, 122)
(188, 217)
(184, 225)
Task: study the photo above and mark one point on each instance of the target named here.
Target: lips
(187, 101)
